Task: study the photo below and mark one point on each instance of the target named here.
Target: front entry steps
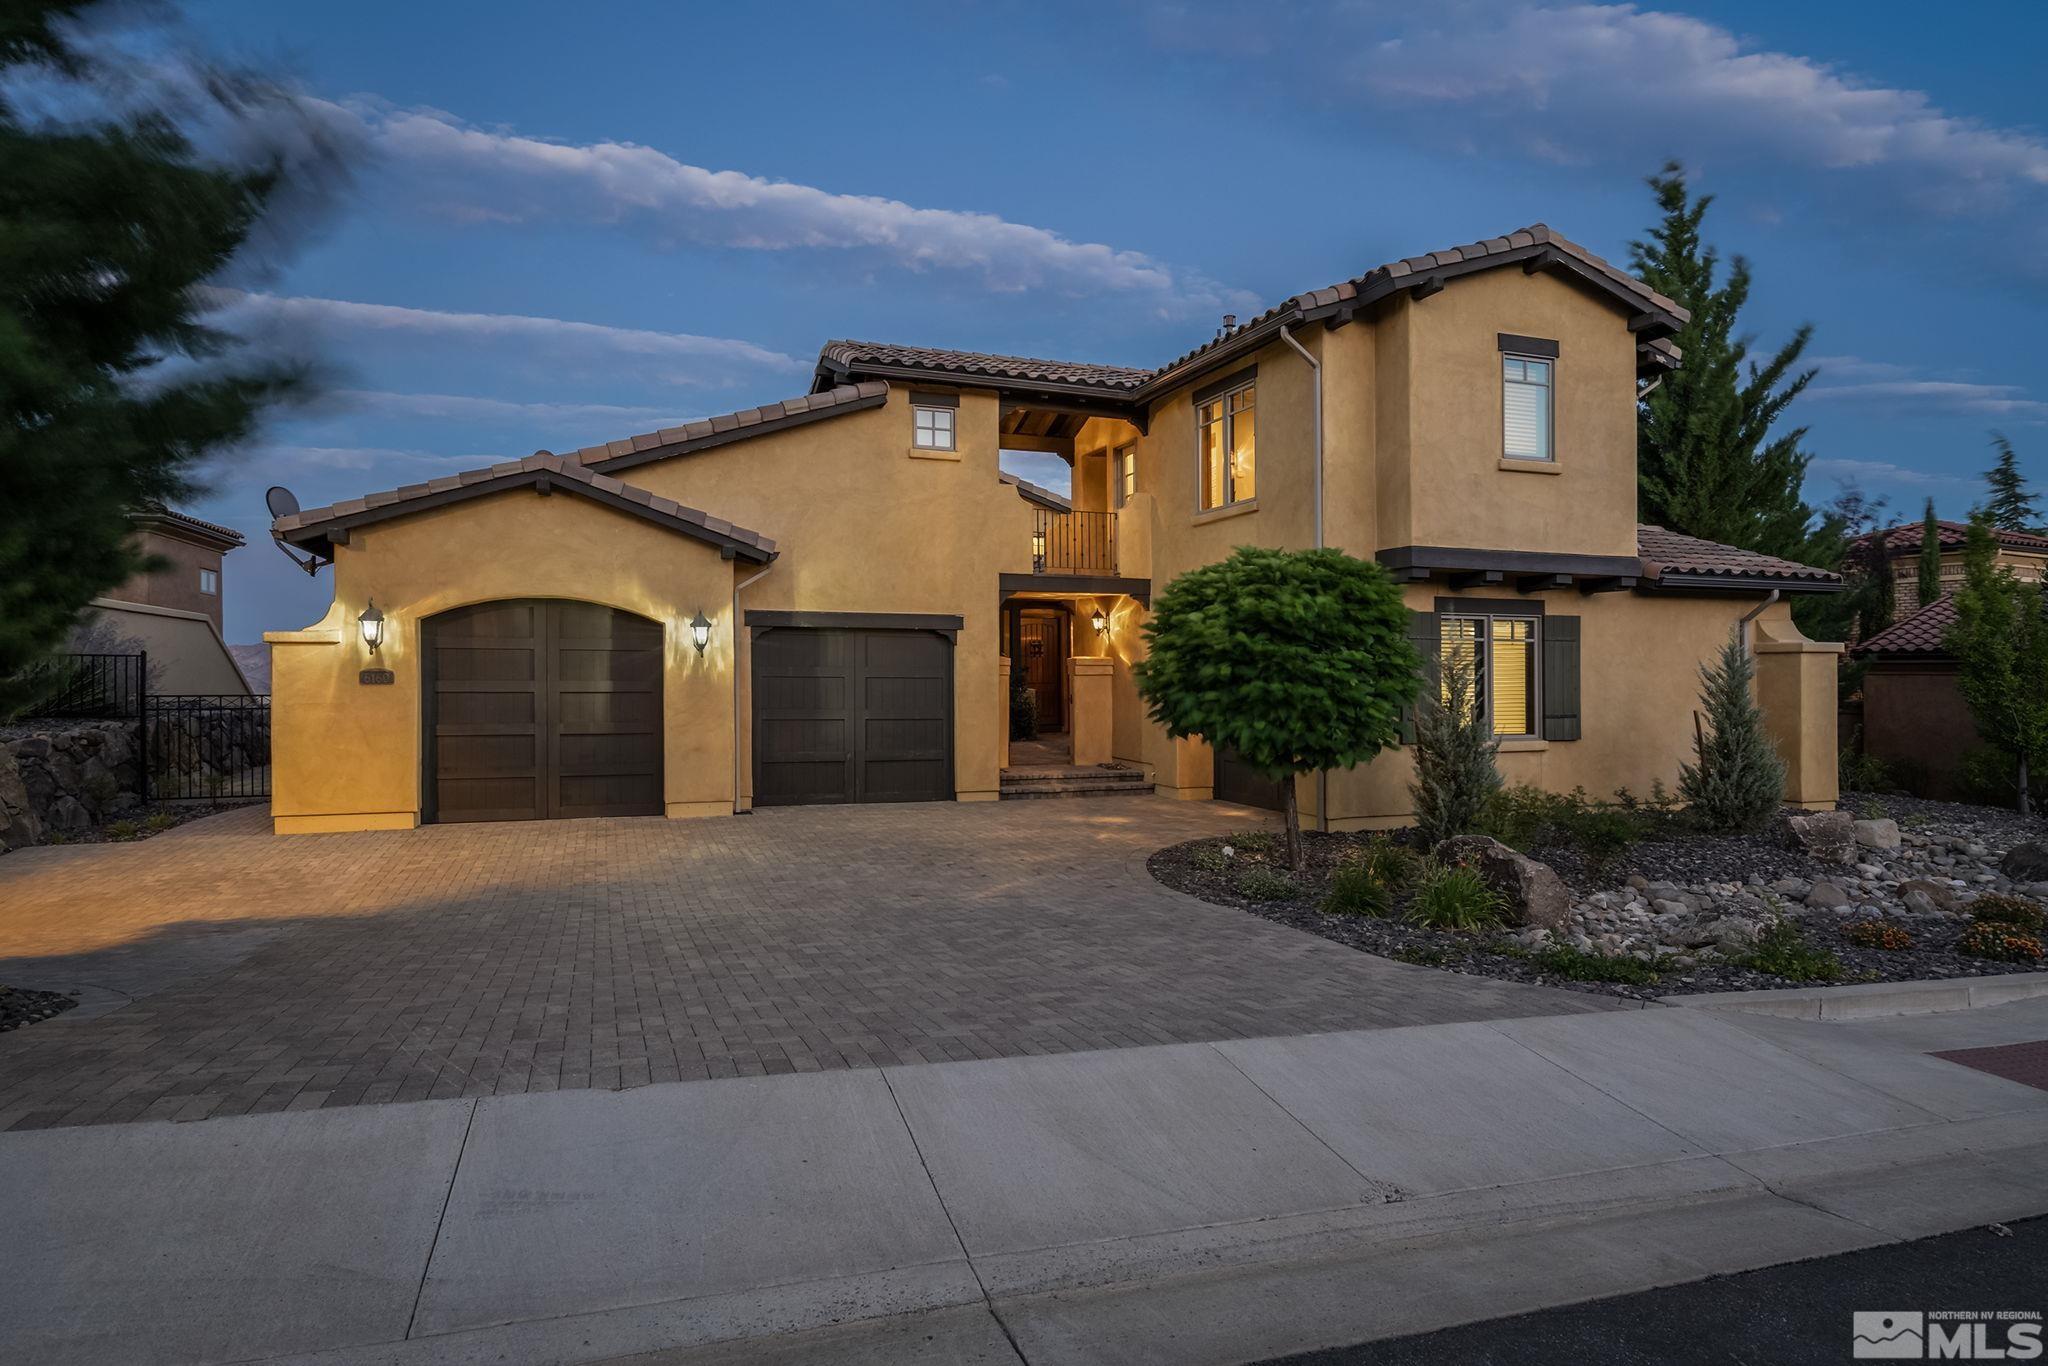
(1037, 782)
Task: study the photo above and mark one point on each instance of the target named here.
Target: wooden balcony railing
(1073, 542)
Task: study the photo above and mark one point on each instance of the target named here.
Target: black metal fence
(205, 748)
(89, 687)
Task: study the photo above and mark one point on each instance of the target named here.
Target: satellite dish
(281, 501)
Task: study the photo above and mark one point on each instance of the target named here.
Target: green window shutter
(1560, 678)
(1422, 634)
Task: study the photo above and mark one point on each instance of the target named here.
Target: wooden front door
(540, 709)
(1043, 636)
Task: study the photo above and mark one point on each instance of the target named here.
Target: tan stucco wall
(862, 526)
(176, 582)
(186, 654)
(347, 756)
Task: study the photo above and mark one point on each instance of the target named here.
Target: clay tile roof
(172, 520)
(1904, 539)
(543, 468)
(1919, 634)
(939, 362)
(1669, 556)
(727, 427)
(1033, 493)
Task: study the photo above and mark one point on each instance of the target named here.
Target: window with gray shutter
(1560, 678)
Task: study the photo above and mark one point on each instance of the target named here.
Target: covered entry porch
(1066, 684)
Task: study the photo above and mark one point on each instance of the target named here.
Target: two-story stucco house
(823, 600)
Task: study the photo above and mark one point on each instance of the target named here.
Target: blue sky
(582, 222)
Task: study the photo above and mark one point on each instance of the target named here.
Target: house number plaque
(372, 676)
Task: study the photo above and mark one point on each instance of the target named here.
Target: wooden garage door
(542, 710)
(852, 716)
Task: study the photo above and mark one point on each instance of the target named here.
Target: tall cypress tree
(1930, 556)
(1707, 461)
(2011, 506)
(109, 227)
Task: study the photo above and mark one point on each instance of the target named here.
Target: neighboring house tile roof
(542, 470)
(1032, 493)
(716, 431)
(1535, 246)
(1920, 634)
(174, 521)
(1905, 538)
(1669, 557)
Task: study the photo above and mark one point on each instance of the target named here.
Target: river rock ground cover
(1882, 892)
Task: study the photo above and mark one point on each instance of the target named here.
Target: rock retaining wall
(67, 778)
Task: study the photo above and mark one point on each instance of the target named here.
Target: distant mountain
(254, 662)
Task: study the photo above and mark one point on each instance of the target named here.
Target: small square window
(209, 581)
(934, 431)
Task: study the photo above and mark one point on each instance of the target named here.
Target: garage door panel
(544, 709)
(852, 715)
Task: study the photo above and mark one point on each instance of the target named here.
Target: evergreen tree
(2000, 641)
(1707, 462)
(1455, 774)
(1737, 781)
(1930, 556)
(2011, 506)
(1297, 660)
(110, 224)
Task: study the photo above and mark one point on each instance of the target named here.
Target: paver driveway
(229, 971)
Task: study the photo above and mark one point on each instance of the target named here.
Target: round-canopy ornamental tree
(1298, 660)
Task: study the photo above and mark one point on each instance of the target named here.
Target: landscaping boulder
(18, 823)
(1940, 895)
(1825, 835)
(1534, 894)
(1826, 896)
(2026, 862)
(1881, 835)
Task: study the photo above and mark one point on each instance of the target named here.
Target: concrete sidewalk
(1185, 1203)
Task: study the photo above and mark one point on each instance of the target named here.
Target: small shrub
(1872, 810)
(1602, 833)
(1260, 842)
(1563, 960)
(123, 830)
(1736, 779)
(1451, 897)
(1422, 958)
(1520, 816)
(1455, 774)
(1999, 942)
(1877, 934)
(56, 837)
(1355, 891)
(1263, 884)
(1782, 952)
(1996, 908)
(159, 821)
(1208, 858)
(1865, 773)
(1388, 864)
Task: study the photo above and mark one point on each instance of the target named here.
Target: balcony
(1073, 543)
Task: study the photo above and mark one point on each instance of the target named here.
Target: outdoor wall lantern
(372, 622)
(1101, 622)
(700, 631)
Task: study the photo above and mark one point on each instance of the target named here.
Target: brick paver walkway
(250, 973)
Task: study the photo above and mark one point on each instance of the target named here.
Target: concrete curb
(1873, 1000)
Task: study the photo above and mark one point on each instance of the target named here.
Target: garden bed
(141, 824)
(1777, 916)
(19, 1007)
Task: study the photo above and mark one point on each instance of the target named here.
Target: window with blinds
(1501, 654)
(1526, 408)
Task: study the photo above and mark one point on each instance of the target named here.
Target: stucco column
(1003, 712)
(1091, 722)
(1795, 685)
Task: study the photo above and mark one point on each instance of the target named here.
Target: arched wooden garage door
(540, 710)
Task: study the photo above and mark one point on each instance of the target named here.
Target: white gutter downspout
(1749, 618)
(743, 583)
(1322, 776)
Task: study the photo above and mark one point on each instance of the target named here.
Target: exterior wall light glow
(1101, 622)
(700, 631)
(372, 622)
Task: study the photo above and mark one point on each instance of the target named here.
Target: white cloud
(553, 343)
(1884, 471)
(471, 408)
(1597, 82)
(359, 458)
(450, 167)
(1939, 397)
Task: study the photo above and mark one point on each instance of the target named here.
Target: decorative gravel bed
(1747, 882)
(19, 1007)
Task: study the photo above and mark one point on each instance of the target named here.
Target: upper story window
(1228, 446)
(1528, 411)
(934, 427)
(209, 581)
(1123, 472)
(1501, 652)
